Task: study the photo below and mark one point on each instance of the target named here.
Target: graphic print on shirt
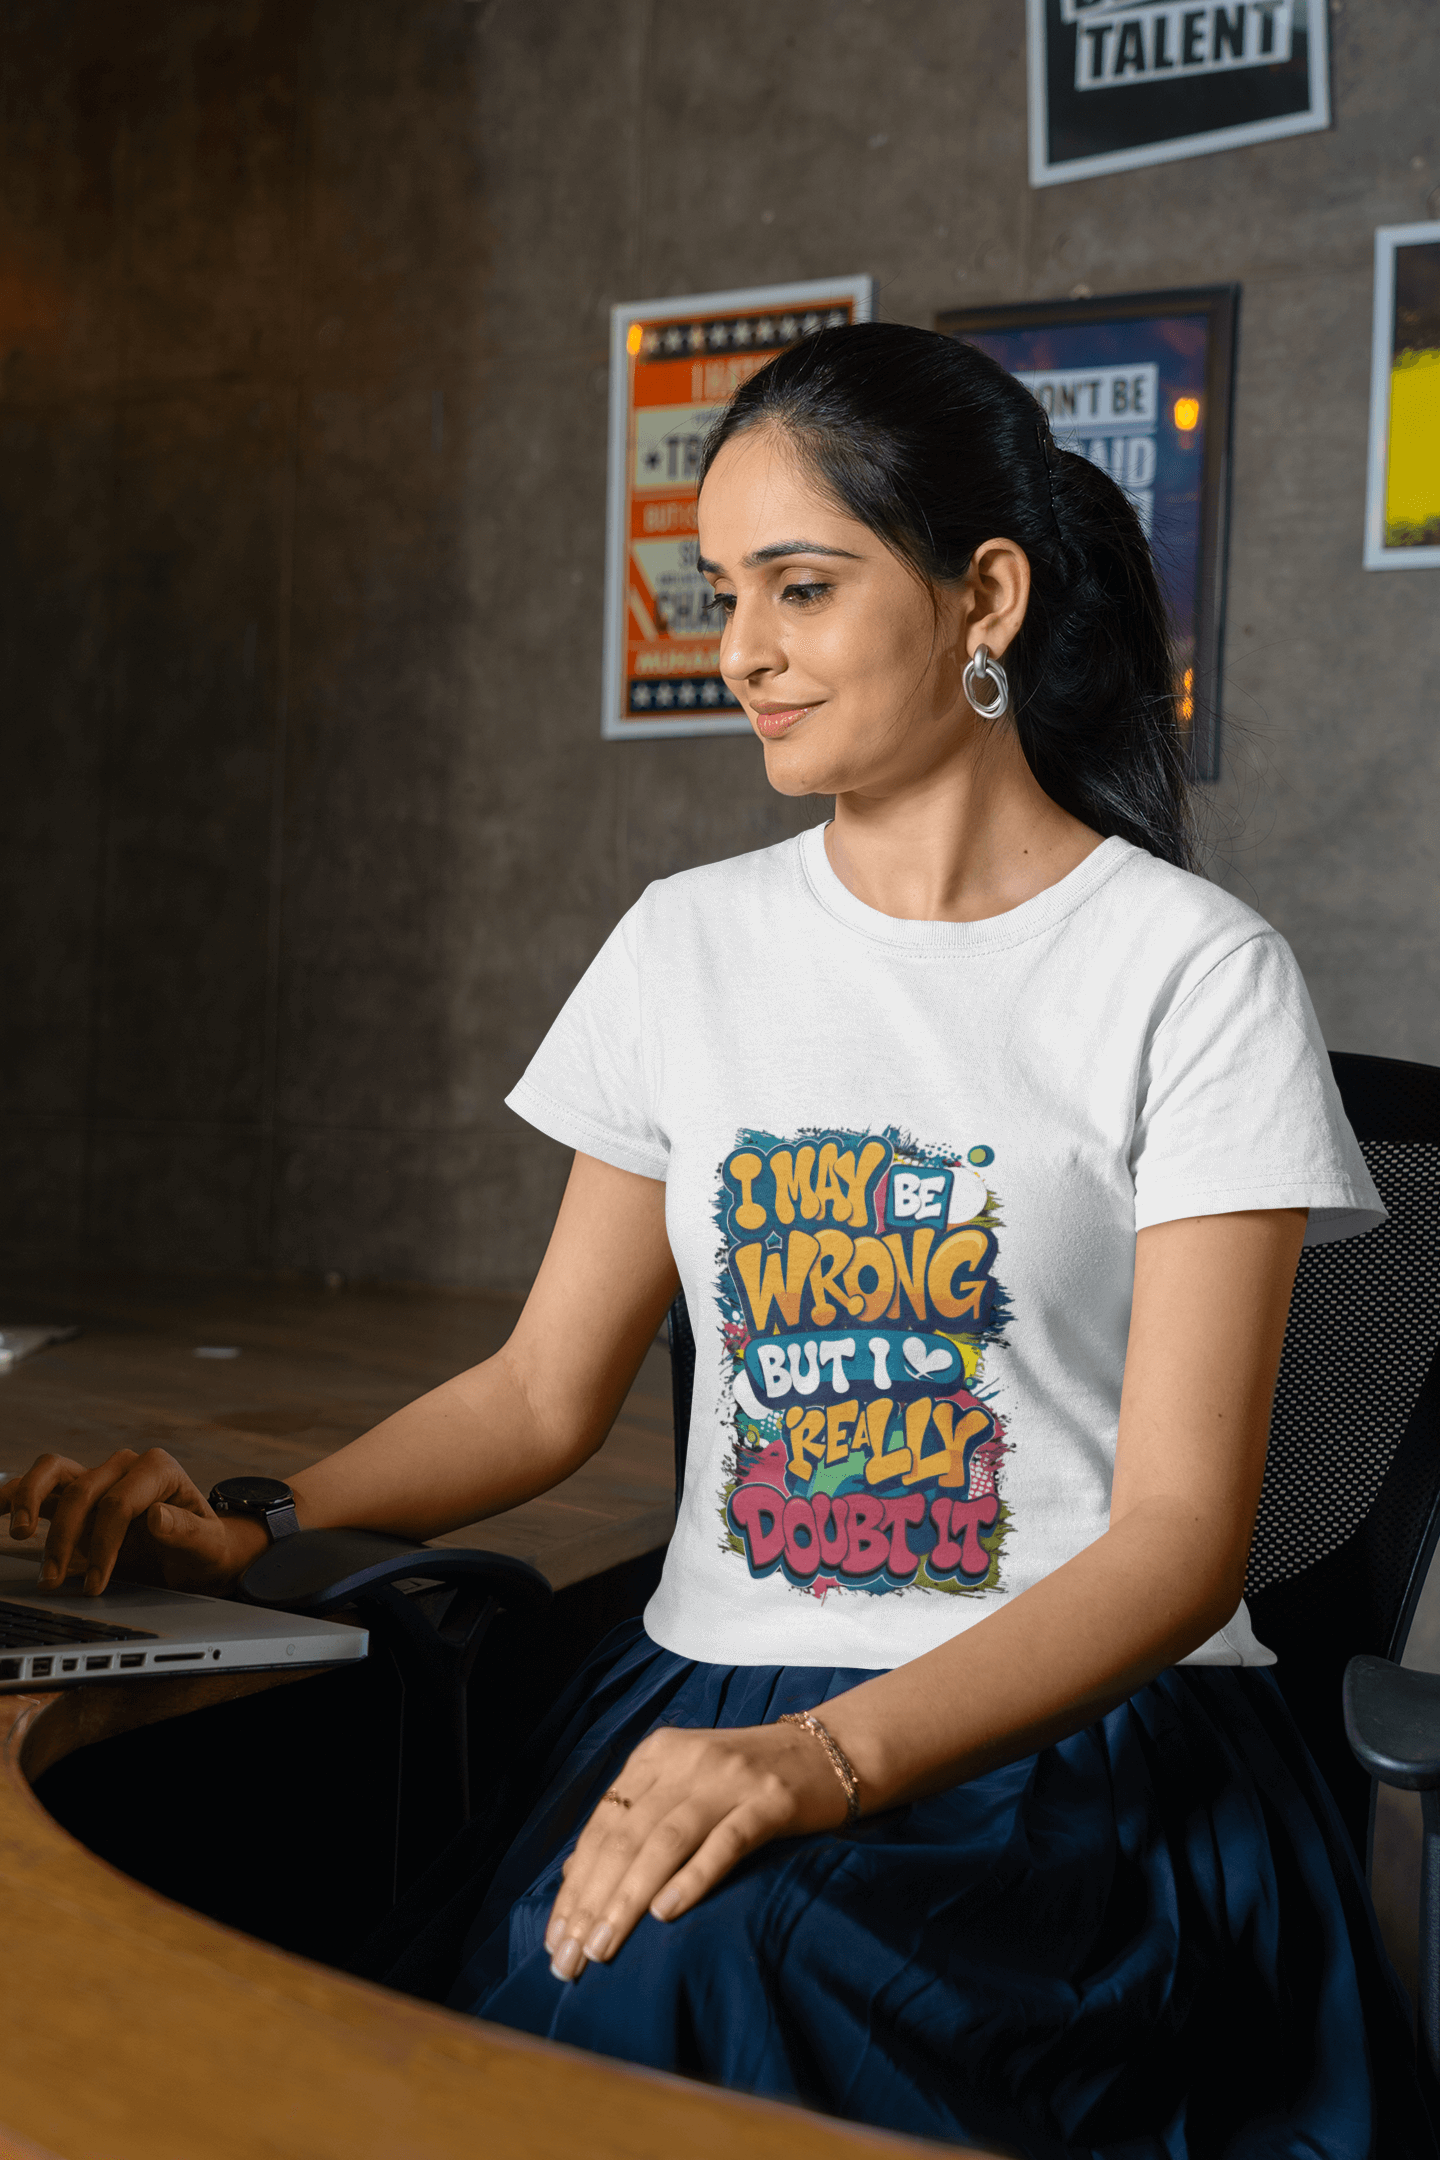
(857, 1304)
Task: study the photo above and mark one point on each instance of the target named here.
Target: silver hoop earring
(983, 670)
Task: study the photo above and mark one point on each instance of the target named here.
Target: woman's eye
(805, 594)
(720, 603)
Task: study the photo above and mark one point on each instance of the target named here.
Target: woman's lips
(780, 719)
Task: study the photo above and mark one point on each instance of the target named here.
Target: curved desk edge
(138, 2030)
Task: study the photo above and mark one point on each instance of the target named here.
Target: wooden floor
(315, 1367)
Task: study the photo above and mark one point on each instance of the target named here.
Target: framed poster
(1140, 383)
(1120, 83)
(1402, 494)
(673, 363)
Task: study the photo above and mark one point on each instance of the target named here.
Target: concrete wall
(305, 826)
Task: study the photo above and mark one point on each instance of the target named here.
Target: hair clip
(1047, 451)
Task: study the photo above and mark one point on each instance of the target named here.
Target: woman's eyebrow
(773, 553)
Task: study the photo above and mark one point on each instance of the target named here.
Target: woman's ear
(998, 583)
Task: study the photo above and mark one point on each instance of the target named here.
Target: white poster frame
(1377, 556)
(614, 726)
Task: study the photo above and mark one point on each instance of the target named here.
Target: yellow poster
(1412, 479)
(1403, 509)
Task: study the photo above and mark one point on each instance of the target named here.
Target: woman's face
(847, 671)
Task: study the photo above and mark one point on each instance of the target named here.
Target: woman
(944, 1785)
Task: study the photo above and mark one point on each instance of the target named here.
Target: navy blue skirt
(1148, 1942)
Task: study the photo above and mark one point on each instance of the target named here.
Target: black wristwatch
(263, 1498)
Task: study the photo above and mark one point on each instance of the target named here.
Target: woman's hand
(686, 1807)
(140, 1509)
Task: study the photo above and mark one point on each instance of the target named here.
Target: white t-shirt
(905, 1163)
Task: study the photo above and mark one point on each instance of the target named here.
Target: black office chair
(1350, 1509)
(1350, 1611)
(428, 1608)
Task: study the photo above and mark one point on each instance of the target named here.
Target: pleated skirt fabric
(1149, 1942)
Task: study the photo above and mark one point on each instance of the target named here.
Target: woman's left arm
(1206, 1326)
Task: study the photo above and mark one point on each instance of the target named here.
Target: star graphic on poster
(697, 337)
(640, 695)
(664, 695)
(709, 695)
(719, 335)
(811, 323)
(673, 340)
(686, 693)
(765, 330)
(742, 333)
(788, 327)
(650, 342)
(836, 319)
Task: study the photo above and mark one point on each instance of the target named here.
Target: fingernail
(92, 1583)
(50, 1573)
(554, 1935)
(19, 1525)
(664, 1905)
(568, 1959)
(601, 1937)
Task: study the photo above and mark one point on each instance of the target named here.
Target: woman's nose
(749, 646)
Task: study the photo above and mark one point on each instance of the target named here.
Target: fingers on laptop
(31, 1495)
(98, 1510)
(156, 1490)
(72, 1504)
(92, 1511)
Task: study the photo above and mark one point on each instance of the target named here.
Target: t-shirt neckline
(996, 931)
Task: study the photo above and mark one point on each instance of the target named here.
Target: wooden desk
(315, 1367)
(135, 2030)
(138, 2030)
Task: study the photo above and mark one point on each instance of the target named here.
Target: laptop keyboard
(23, 1628)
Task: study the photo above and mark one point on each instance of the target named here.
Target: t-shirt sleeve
(587, 1085)
(1238, 1106)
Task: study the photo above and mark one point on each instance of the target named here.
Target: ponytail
(934, 447)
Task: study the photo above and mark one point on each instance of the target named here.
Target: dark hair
(934, 447)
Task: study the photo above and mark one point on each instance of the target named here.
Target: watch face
(252, 1494)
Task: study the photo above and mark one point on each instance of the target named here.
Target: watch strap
(282, 1521)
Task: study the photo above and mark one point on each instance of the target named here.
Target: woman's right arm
(484, 1441)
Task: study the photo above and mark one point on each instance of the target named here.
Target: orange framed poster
(673, 363)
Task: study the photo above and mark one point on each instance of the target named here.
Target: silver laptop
(54, 1638)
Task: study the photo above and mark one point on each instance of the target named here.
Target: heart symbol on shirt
(923, 1362)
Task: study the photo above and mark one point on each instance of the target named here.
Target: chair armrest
(433, 1638)
(1392, 1721)
(316, 1571)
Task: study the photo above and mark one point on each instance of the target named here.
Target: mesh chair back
(1350, 1509)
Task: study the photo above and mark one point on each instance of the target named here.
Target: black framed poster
(1140, 383)
(1118, 83)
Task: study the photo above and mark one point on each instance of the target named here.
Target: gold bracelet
(840, 1762)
